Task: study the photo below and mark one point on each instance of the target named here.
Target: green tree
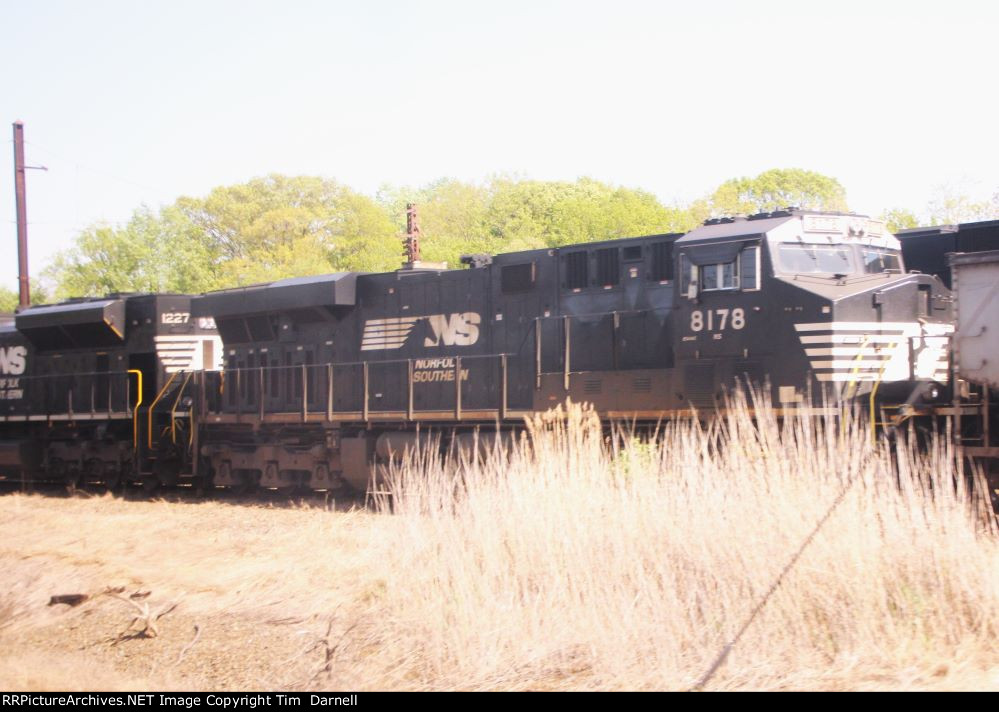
(778, 188)
(951, 206)
(10, 298)
(269, 215)
(265, 229)
(507, 214)
(153, 252)
(899, 219)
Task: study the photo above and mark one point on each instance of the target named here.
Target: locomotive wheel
(68, 475)
(149, 484)
(167, 472)
(246, 484)
(94, 471)
(242, 488)
(204, 482)
(55, 470)
(112, 478)
(73, 478)
(296, 486)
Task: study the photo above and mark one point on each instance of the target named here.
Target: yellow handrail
(851, 385)
(874, 392)
(155, 401)
(173, 411)
(135, 409)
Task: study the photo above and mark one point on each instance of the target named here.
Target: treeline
(282, 226)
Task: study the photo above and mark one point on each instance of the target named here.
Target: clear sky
(132, 102)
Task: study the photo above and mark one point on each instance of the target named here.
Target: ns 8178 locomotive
(325, 375)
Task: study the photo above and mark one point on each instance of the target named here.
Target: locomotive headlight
(933, 393)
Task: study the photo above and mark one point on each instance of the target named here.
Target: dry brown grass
(558, 566)
(555, 565)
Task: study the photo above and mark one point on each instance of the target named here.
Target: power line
(97, 171)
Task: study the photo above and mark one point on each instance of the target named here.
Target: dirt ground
(236, 596)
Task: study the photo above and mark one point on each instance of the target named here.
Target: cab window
(740, 273)
(718, 276)
(749, 268)
(878, 260)
(806, 258)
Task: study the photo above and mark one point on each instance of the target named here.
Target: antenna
(411, 243)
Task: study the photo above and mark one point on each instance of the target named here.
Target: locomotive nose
(911, 299)
(881, 333)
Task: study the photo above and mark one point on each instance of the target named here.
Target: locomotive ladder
(165, 411)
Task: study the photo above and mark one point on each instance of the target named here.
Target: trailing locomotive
(324, 376)
(89, 387)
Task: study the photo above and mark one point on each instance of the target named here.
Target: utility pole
(24, 289)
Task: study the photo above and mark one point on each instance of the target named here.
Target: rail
(89, 395)
(468, 388)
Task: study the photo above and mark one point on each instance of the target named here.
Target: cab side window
(718, 276)
(741, 273)
(749, 268)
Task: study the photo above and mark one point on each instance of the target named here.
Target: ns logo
(454, 330)
(445, 330)
(13, 360)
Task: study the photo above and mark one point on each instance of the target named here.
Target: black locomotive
(325, 375)
(83, 386)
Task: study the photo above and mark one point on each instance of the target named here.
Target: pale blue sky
(140, 102)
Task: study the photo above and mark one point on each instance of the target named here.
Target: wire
(96, 171)
(723, 655)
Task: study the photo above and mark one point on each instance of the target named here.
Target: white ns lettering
(13, 360)
(453, 330)
(717, 319)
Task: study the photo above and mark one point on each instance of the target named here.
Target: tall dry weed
(578, 558)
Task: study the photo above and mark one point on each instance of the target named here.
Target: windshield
(804, 258)
(875, 259)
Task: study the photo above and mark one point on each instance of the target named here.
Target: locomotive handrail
(256, 401)
(851, 385)
(55, 395)
(135, 408)
(874, 393)
(173, 410)
(152, 406)
(608, 313)
(568, 350)
(283, 366)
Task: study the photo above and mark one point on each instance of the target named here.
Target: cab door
(720, 330)
(718, 291)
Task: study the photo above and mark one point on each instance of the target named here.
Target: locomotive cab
(809, 302)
